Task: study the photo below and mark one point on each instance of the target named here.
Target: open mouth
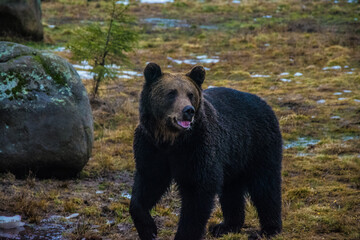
(184, 124)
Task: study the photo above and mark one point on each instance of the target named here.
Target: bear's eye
(172, 94)
(190, 96)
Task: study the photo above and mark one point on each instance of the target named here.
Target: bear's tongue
(184, 124)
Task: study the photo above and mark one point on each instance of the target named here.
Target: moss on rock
(43, 97)
(54, 73)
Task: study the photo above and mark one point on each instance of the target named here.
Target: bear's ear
(152, 72)
(197, 74)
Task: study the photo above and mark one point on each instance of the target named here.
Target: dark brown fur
(184, 86)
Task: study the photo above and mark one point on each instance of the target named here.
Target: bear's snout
(188, 113)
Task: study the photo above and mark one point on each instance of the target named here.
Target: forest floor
(302, 57)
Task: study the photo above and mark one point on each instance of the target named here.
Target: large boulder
(21, 18)
(46, 124)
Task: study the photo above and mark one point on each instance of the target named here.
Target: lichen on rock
(45, 111)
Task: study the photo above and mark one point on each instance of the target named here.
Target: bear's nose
(188, 113)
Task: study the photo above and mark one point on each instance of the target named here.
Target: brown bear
(217, 141)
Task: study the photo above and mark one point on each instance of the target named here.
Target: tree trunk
(96, 87)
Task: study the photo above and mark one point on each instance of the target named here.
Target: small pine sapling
(102, 45)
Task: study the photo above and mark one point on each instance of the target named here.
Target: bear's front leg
(196, 208)
(147, 191)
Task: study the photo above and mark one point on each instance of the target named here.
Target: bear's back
(233, 106)
(246, 121)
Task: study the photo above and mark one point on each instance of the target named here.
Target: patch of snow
(301, 142)
(99, 192)
(110, 222)
(349, 72)
(174, 23)
(302, 154)
(84, 62)
(259, 76)
(210, 60)
(126, 195)
(199, 59)
(156, 1)
(335, 117)
(298, 74)
(201, 56)
(61, 49)
(85, 74)
(285, 80)
(114, 66)
(190, 61)
(167, 23)
(321, 101)
(267, 16)
(267, 44)
(347, 91)
(11, 222)
(124, 76)
(174, 60)
(132, 73)
(284, 74)
(236, 1)
(357, 100)
(84, 67)
(74, 215)
(333, 68)
(51, 26)
(338, 93)
(347, 138)
(341, 99)
(125, 2)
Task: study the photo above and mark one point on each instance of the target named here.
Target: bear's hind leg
(266, 195)
(232, 205)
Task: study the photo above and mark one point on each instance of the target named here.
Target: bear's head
(170, 102)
